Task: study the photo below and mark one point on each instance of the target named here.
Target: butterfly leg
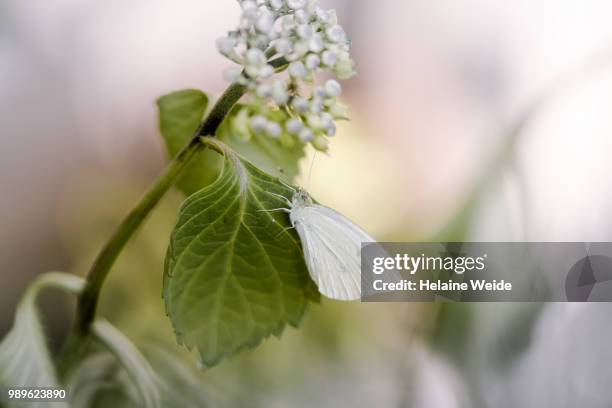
(283, 231)
(285, 199)
(287, 210)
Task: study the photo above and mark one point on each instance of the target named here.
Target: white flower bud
(300, 49)
(316, 44)
(314, 121)
(273, 130)
(327, 121)
(300, 104)
(316, 106)
(335, 34)
(329, 58)
(279, 92)
(302, 17)
(263, 91)
(339, 111)
(332, 88)
(320, 143)
(275, 4)
(249, 5)
(331, 130)
(345, 69)
(296, 4)
(255, 57)
(312, 6)
(232, 74)
(306, 135)
(259, 124)
(266, 71)
(294, 126)
(304, 31)
(283, 46)
(265, 22)
(298, 70)
(322, 15)
(319, 93)
(313, 62)
(226, 45)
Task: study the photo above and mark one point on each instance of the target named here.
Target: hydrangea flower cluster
(304, 39)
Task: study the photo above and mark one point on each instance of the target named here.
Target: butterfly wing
(332, 249)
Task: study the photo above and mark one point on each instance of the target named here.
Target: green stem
(88, 300)
(105, 260)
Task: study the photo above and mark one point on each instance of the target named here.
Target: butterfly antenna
(287, 185)
(310, 171)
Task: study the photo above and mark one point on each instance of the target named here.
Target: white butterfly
(331, 244)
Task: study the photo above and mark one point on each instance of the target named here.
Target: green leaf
(24, 358)
(136, 366)
(98, 381)
(180, 115)
(234, 274)
(278, 157)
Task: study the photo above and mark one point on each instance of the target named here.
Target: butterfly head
(301, 198)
